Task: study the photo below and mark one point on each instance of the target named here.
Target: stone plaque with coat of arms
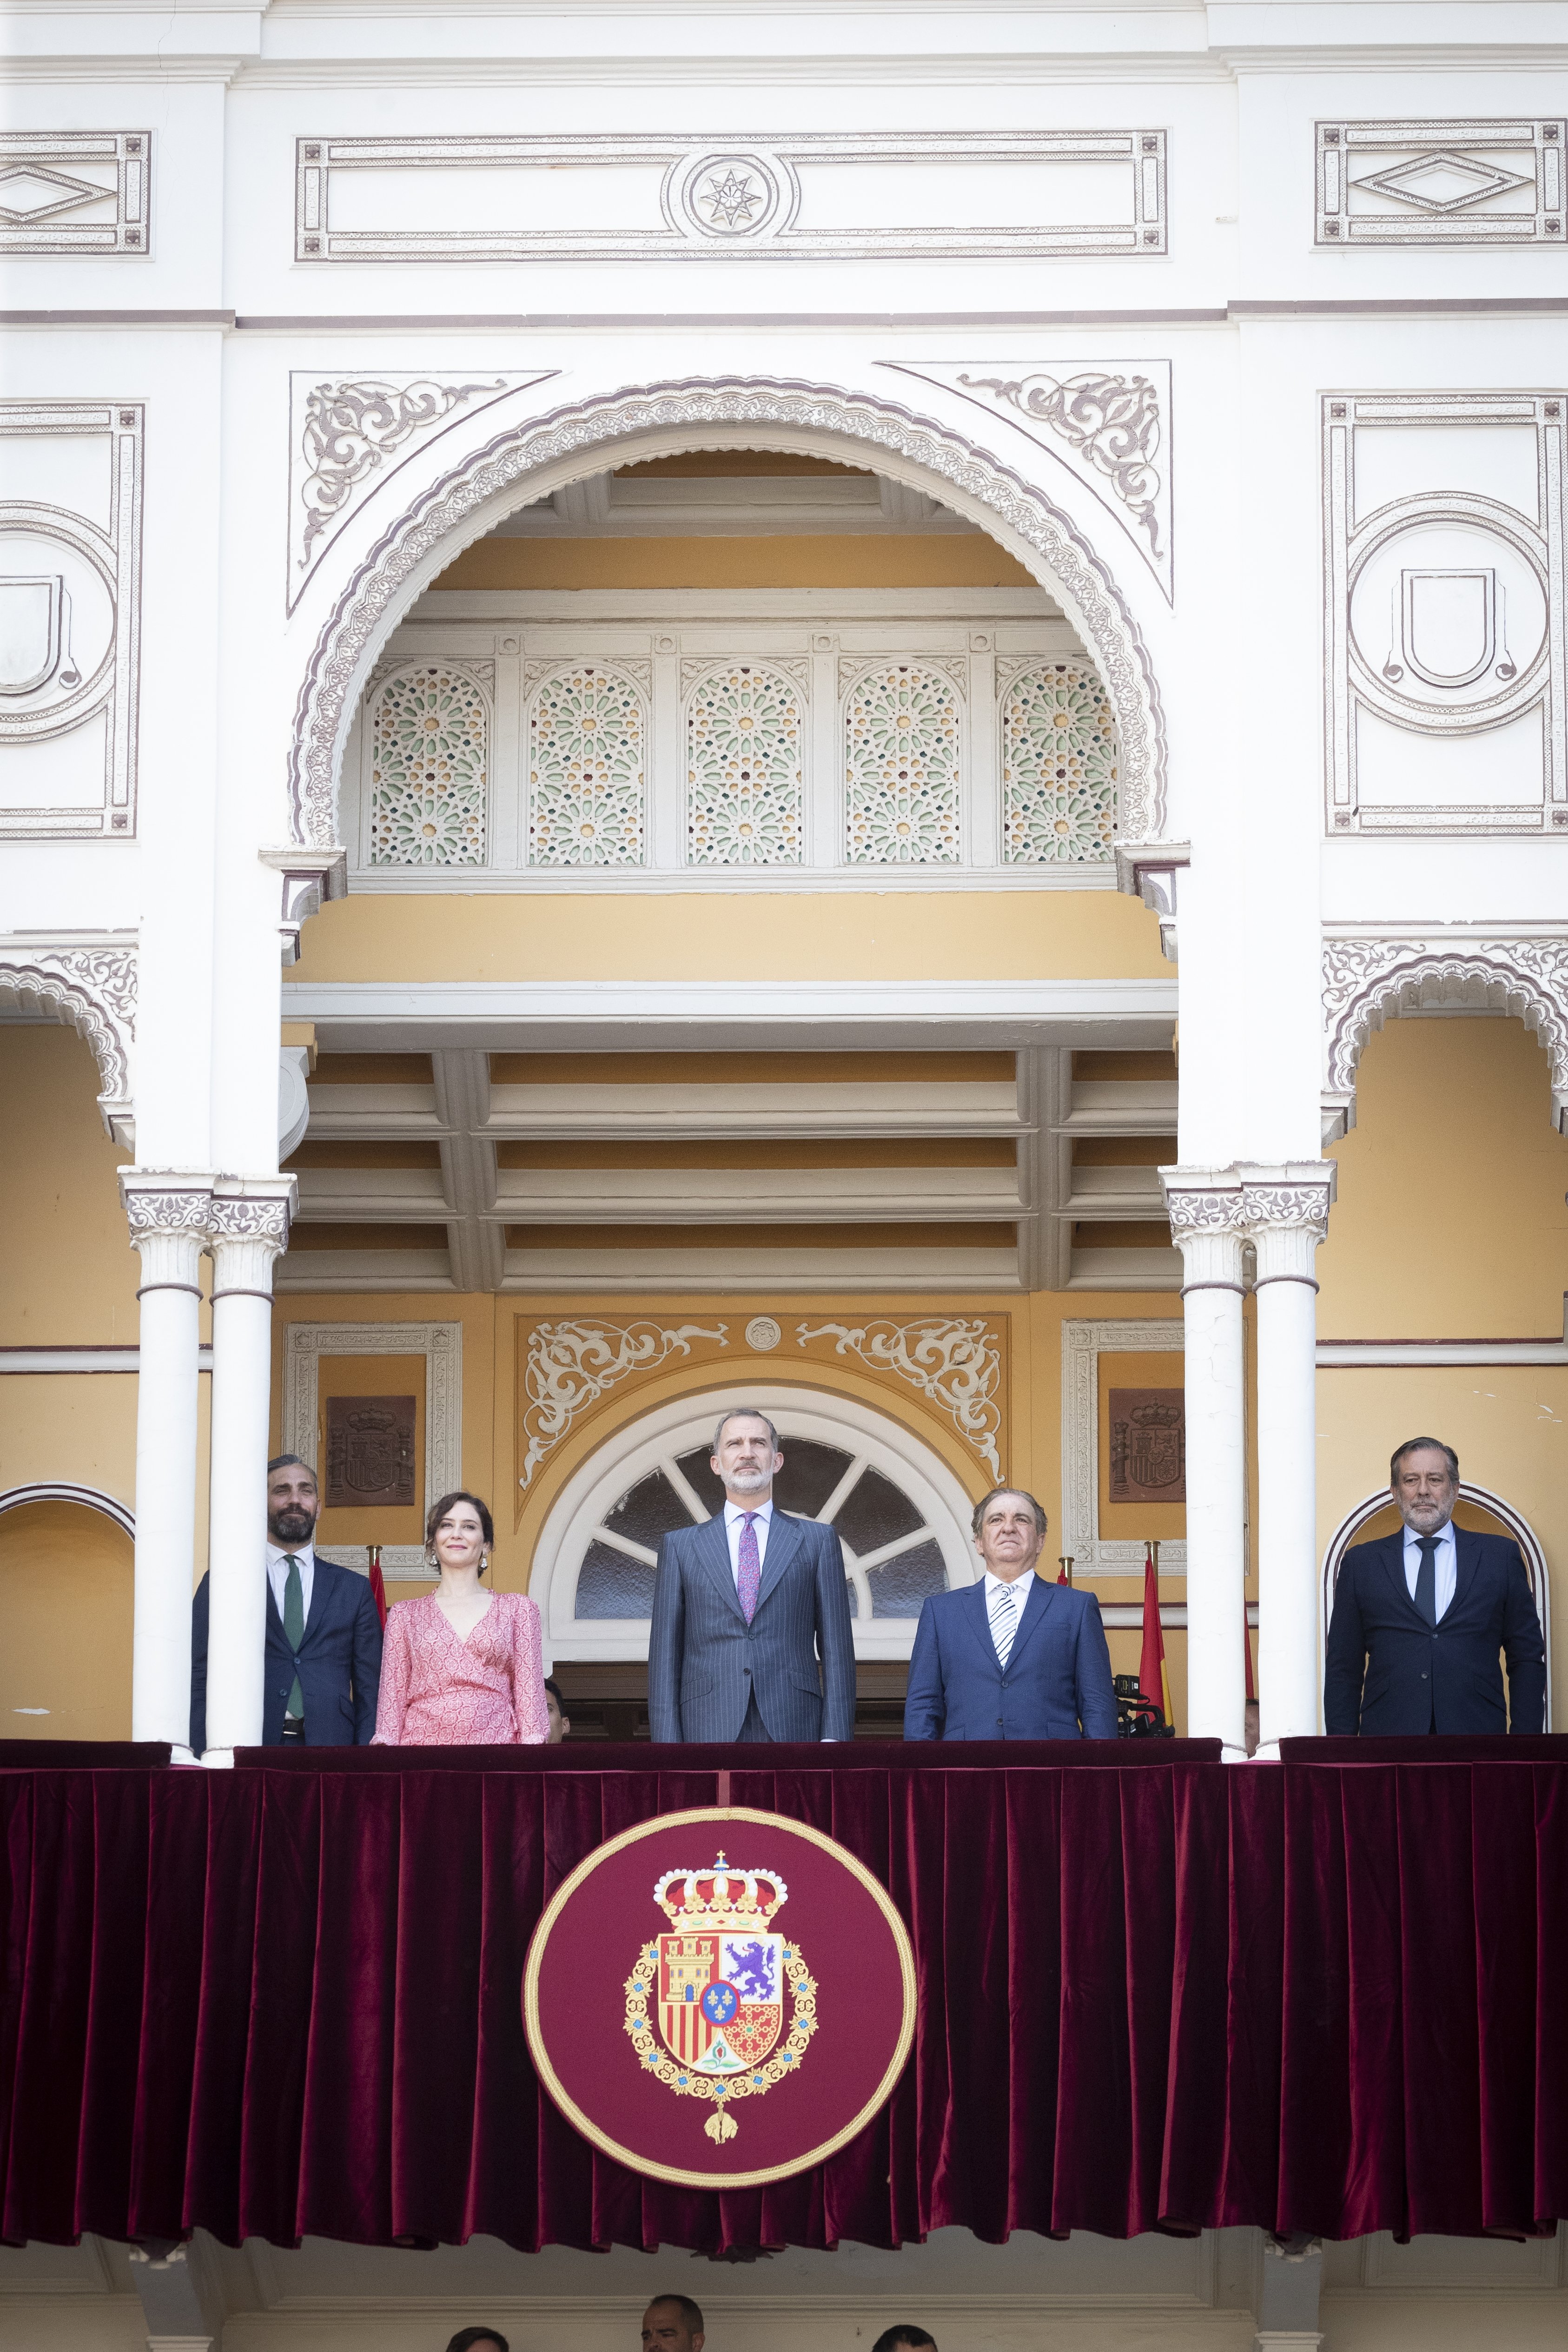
(1148, 1445)
(370, 1452)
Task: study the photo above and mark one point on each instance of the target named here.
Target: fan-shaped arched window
(429, 764)
(902, 767)
(587, 749)
(745, 748)
(900, 1516)
(1059, 767)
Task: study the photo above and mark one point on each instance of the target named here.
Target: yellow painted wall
(1450, 1221)
(874, 560)
(68, 1273)
(65, 1605)
(881, 935)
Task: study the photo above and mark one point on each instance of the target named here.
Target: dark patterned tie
(1427, 1578)
(749, 1582)
(294, 1628)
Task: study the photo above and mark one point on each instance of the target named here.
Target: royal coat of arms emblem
(706, 2004)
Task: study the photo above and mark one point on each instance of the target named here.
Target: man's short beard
(275, 1519)
(748, 1482)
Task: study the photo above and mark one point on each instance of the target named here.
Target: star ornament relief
(729, 202)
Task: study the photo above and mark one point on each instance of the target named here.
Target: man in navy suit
(1419, 1618)
(751, 1636)
(323, 1633)
(1012, 1657)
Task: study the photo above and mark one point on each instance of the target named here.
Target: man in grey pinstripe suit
(751, 1636)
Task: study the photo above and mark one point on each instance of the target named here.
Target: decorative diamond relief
(63, 192)
(587, 733)
(1058, 768)
(27, 193)
(430, 746)
(1475, 182)
(1442, 184)
(745, 732)
(901, 760)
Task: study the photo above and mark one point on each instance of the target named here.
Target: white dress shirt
(1444, 1564)
(278, 1574)
(734, 1519)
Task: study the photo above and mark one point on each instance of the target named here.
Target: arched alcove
(533, 460)
(66, 1591)
(1477, 1509)
(901, 1514)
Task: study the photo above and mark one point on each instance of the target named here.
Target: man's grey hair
(1423, 1445)
(289, 1462)
(744, 1412)
(984, 1505)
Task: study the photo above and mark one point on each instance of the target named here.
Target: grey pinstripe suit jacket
(705, 1662)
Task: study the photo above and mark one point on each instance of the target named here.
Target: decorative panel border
(46, 176)
(1083, 1344)
(74, 582)
(441, 1345)
(1485, 574)
(750, 195)
(1439, 175)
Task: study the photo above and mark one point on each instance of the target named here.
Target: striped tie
(1003, 1621)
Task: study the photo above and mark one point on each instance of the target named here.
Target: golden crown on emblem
(720, 1897)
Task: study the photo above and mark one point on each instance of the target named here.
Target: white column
(1287, 1213)
(168, 1219)
(1204, 1204)
(249, 1228)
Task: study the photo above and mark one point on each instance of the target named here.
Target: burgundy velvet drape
(1163, 1994)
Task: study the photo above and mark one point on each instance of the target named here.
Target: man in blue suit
(1419, 1619)
(1011, 1657)
(751, 1636)
(323, 1633)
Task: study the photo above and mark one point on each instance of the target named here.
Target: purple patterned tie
(749, 1581)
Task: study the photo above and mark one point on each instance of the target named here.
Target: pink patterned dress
(439, 1692)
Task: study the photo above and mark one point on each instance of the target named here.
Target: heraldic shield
(672, 2013)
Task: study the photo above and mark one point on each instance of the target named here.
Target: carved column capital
(1285, 1210)
(169, 1213)
(249, 1228)
(1205, 1208)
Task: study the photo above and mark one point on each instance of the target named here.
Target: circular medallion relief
(720, 1998)
(762, 1333)
(730, 195)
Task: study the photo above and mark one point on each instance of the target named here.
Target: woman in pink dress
(463, 1667)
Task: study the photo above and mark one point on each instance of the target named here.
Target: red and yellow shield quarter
(703, 2046)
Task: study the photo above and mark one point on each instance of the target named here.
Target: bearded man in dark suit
(1419, 1619)
(751, 1636)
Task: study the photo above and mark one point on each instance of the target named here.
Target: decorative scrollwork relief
(570, 1366)
(797, 413)
(1111, 421)
(953, 1361)
(1367, 981)
(94, 989)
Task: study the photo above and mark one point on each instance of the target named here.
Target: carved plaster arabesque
(570, 1365)
(343, 434)
(83, 168)
(454, 511)
(1368, 979)
(1110, 425)
(1083, 1344)
(441, 1346)
(94, 989)
(953, 1360)
(110, 684)
(1369, 678)
(1137, 224)
(1347, 159)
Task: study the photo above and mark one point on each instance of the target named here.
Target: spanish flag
(1153, 1679)
(378, 1588)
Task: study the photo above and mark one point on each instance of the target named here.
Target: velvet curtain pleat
(1313, 1997)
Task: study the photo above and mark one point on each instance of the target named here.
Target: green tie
(294, 1628)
